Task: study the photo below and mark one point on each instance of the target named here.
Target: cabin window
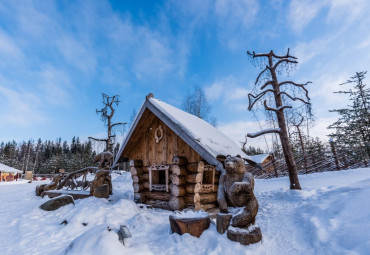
(208, 180)
(158, 178)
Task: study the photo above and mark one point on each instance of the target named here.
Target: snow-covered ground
(331, 215)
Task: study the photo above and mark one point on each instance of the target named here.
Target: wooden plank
(178, 170)
(177, 180)
(208, 198)
(208, 206)
(179, 160)
(177, 203)
(193, 188)
(194, 178)
(177, 191)
(158, 195)
(195, 167)
(158, 204)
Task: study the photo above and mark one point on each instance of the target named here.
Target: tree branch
(263, 132)
(284, 60)
(275, 109)
(301, 85)
(119, 123)
(254, 55)
(293, 98)
(257, 97)
(266, 84)
(96, 139)
(286, 56)
(259, 75)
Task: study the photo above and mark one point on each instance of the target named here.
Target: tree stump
(223, 222)
(192, 225)
(101, 191)
(245, 236)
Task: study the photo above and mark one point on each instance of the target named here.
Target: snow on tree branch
(275, 109)
(256, 98)
(263, 132)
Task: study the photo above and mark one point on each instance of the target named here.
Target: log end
(193, 225)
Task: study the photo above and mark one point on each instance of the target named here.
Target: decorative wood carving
(157, 186)
(158, 134)
(208, 169)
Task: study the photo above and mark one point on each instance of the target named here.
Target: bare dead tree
(106, 114)
(269, 77)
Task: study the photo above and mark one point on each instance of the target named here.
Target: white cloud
(9, 51)
(302, 12)
(19, 107)
(54, 86)
(77, 53)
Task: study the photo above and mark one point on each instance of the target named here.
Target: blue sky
(56, 57)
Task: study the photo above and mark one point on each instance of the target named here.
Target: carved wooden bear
(104, 157)
(236, 190)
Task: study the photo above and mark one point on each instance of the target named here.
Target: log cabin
(175, 157)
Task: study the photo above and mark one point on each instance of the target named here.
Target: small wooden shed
(8, 173)
(175, 157)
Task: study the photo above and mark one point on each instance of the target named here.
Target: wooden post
(334, 153)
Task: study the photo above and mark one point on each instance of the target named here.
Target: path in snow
(330, 216)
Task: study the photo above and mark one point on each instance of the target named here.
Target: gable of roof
(204, 138)
(8, 169)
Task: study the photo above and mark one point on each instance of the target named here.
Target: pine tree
(352, 129)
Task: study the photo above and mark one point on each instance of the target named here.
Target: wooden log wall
(185, 184)
(137, 174)
(177, 187)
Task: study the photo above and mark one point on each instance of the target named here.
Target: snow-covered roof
(259, 158)
(205, 139)
(8, 169)
(212, 139)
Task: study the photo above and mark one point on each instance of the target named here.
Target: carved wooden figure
(236, 190)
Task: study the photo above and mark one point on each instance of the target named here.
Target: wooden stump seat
(192, 224)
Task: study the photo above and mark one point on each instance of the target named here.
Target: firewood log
(136, 179)
(146, 185)
(193, 188)
(158, 195)
(136, 163)
(179, 160)
(194, 178)
(208, 206)
(192, 198)
(178, 170)
(177, 180)
(158, 204)
(138, 187)
(196, 167)
(145, 177)
(177, 191)
(136, 170)
(208, 198)
(139, 197)
(177, 203)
